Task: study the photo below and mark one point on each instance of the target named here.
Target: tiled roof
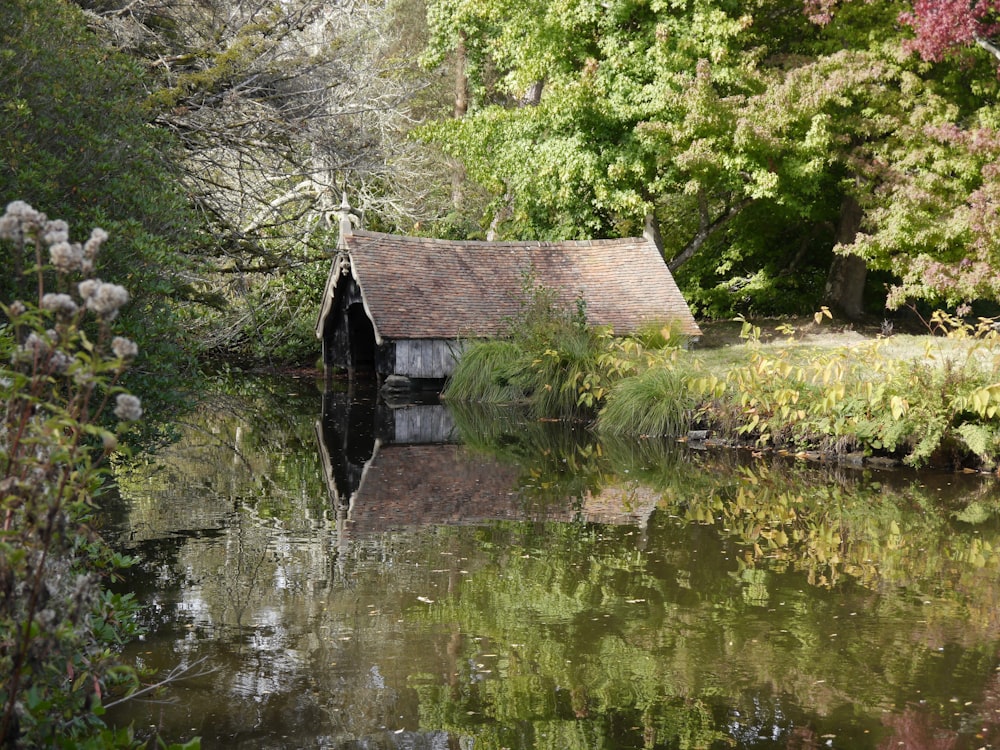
(430, 288)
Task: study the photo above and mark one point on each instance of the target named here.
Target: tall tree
(687, 112)
(280, 109)
(929, 188)
(709, 116)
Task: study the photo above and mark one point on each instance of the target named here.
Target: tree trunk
(533, 96)
(461, 108)
(651, 231)
(845, 285)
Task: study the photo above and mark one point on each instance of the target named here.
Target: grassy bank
(929, 399)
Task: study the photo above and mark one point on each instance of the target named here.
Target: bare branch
(987, 45)
(178, 673)
(708, 227)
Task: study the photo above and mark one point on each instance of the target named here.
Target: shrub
(550, 360)
(78, 141)
(62, 412)
(554, 362)
(941, 406)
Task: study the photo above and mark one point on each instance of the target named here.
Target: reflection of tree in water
(240, 574)
(728, 561)
(748, 598)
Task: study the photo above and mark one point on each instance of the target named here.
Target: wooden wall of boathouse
(348, 334)
(426, 358)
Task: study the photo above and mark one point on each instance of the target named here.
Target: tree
(928, 187)
(943, 26)
(280, 110)
(687, 113)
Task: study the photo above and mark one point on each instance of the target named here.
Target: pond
(326, 571)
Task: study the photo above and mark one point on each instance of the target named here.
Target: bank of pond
(344, 574)
(931, 400)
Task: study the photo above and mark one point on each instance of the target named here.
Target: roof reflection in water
(390, 467)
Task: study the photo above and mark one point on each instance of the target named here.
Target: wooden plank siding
(423, 424)
(427, 358)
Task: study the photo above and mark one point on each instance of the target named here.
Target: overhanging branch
(707, 228)
(987, 45)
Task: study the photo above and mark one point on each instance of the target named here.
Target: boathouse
(406, 306)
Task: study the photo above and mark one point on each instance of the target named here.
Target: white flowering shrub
(61, 414)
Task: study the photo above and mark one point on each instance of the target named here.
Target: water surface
(339, 574)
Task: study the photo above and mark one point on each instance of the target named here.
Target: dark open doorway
(361, 335)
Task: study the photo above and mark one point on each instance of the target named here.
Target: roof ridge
(502, 243)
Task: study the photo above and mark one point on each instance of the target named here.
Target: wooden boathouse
(405, 306)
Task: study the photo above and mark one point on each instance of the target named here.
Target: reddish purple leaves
(943, 25)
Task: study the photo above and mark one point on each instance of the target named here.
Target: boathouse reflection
(391, 467)
(395, 466)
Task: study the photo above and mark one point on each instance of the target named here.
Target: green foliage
(267, 318)
(550, 360)
(564, 378)
(740, 127)
(487, 372)
(932, 203)
(734, 125)
(77, 141)
(940, 407)
(553, 361)
(658, 336)
(63, 411)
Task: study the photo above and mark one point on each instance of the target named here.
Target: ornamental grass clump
(550, 360)
(488, 373)
(655, 402)
(62, 413)
(558, 366)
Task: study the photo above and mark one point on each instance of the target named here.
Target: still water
(333, 573)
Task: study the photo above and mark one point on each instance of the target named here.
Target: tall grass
(565, 378)
(936, 403)
(550, 360)
(489, 372)
(655, 402)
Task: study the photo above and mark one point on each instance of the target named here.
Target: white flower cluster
(102, 298)
(22, 224)
(128, 408)
(124, 348)
(45, 349)
(19, 222)
(61, 304)
(38, 348)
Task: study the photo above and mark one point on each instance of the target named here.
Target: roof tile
(432, 288)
